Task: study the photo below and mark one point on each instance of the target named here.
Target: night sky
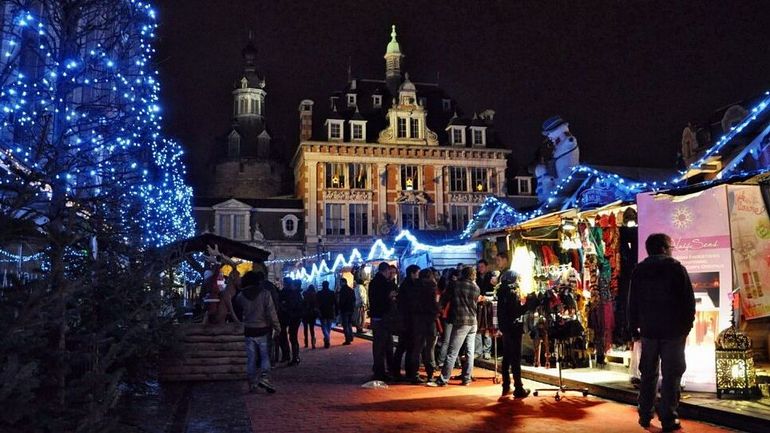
(628, 75)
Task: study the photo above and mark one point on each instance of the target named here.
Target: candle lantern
(736, 375)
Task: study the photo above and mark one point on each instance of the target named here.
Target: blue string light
(100, 109)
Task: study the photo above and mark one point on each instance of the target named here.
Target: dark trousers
(293, 337)
(669, 355)
(423, 343)
(512, 357)
(308, 324)
(283, 343)
(347, 325)
(382, 347)
(403, 349)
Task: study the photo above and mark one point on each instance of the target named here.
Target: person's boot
(521, 392)
(265, 384)
(506, 389)
(294, 361)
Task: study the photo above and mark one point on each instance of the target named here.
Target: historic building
(241, 199)
(389, 154)
(242, 162)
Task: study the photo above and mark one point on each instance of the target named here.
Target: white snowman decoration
(566, 153)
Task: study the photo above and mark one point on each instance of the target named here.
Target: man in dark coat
(661, 306)
(326, 313)
(382, 297)
(346, 304)
(404, 331)
(509, 311)
(422, 310)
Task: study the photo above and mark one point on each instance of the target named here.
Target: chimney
(305, 120)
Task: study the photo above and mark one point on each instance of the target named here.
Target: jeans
(326, 330)
(382, 347)
(512, 357)
(347, 325)
(460, 334)
(669, 355)
(254, 344)
(422, 343)
(483, 343)
(444, 343)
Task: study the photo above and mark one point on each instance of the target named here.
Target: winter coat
(309, 305)
(422, 302)
(259, 314)
(291, 303)
(347, 300)
(464, 302)
(380, 303)
(509, 308)
(661, 302)
(326, 305)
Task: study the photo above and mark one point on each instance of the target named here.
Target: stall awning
(226, 246)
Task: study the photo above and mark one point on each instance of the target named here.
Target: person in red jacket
(661, 307)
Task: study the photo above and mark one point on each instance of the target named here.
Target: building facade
(242, 164)
(391, 154)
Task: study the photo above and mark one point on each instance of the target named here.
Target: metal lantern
(736, 375)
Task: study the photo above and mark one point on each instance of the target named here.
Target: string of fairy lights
(378, 251)
(99, 107)
(505, 212)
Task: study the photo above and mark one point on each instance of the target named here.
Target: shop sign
(750, 231)
(699, 226)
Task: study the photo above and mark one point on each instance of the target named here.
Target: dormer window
(457, 135)
(478, 136)
(446, 105)
(401, 127)
(376, 101)
(357, 130)
(334, 129)
(352, 100)
(414, 128)
(333, 103)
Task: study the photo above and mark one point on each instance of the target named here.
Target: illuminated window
(479, 179)
(458, 179)
(410, 217)
(409, 177)
(401, 127)
(458, 217)
(414, 128)
(335, 131)
(359, 176)
(335, 175)
(359, 219)
(335, 222)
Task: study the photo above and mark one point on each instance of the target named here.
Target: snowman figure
(566, 153)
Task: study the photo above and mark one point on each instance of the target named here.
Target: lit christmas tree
(80, 121)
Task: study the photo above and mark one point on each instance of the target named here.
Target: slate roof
(432, 95)
(274, 203)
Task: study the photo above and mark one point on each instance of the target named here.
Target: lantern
(736, 375)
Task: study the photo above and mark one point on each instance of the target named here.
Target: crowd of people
(441, 319)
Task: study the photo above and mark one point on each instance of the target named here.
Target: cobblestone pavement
(324, 394)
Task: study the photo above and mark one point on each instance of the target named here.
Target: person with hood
(310, 313)
(326, 304)
(260, 321)
(346, 304)
(661, 309)
(509, 312)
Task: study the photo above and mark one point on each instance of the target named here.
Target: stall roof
(226, 246)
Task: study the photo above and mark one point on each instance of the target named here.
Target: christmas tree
(80, 119)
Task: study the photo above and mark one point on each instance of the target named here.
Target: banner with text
(750, 231)
(699, 226)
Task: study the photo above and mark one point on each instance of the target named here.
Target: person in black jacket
(326, 307)
(294, 311)
(661, 306)
(423, 313)
(309, 314)
(346, 304)
(382, 295)
(509, 311)
(404, 328)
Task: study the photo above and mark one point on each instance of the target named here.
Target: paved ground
(324, 394)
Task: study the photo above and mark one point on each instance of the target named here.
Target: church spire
(393, 59)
